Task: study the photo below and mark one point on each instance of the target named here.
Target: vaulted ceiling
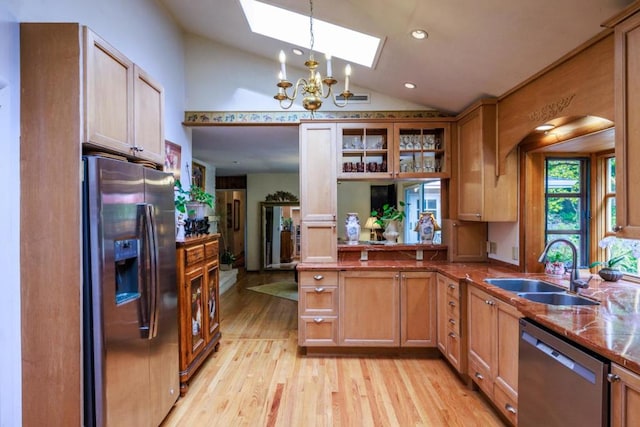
(474, 49)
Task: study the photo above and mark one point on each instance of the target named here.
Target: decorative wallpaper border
(277, 117)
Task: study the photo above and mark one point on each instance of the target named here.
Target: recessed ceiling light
(545, 127)
(419, 34)
(297, 51)
(410, 85)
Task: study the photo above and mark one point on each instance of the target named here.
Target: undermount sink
(557, 298)
(523, 285)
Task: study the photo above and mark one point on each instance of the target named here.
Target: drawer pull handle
(452, 303)
(489, 302)
(318, 320)
(510, 408)
(319, 290)
(452, 321)
(479, 376)
(617, 228)
(318, 277)
(612, 378)
(452, 286)
(452, 335)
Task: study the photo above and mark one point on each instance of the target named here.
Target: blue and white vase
(426, 228)
(352, 228)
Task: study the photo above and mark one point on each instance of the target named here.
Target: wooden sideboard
(198, 303)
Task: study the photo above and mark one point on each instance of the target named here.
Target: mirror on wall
(280, 235)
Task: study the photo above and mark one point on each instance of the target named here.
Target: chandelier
(312, 89)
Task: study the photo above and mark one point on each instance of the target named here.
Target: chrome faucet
(574, 279)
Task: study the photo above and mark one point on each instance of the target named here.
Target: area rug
(288, 290)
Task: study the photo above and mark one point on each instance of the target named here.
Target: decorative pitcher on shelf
(391, 233)
(427, 227)
(352, 228)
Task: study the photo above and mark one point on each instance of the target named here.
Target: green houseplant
(184, 198)
(227, 258)
(389, 218)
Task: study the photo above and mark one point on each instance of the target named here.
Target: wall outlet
(493, 247)
(514, 253)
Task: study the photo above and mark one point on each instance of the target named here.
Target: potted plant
(389, 218)
(625, 250)
(227, 258)
(189, 201)
(287, 224)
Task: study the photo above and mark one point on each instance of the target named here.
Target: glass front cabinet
(393, 150)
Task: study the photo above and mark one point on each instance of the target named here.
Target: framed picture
(172, 158)
(236, 215)
(229, 216)
(198, 173)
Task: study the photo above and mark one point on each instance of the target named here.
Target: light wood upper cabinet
(421, 150)
(627, 119)
(108, 95)
(318, 192)
(625, 397)
(482, 195)
(465, 240)
(365, 150)
(124, 106)
(149, 117)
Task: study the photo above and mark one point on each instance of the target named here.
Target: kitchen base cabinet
(369, 309)
(198, 303)
(318, 308)
(625, 397)
(417, 309)
(493, 349)
(450, 309)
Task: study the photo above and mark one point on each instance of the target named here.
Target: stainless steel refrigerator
(130, 346)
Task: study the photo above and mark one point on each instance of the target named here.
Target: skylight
(291, 27)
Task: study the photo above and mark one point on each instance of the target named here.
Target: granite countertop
(611, 329)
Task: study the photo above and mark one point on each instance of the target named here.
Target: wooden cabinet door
(318, 242)
(418, 309)
(318, 190)
(506, 366)
(625, 397)
(149, 117)
(212, 289)
(108, 96)
(481, 339)
(466, 240)
(369, 303)
(195, 310)
(627, 119)
(421, 150)
(470, 168)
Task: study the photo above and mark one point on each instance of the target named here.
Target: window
(629, 263)
(567, 206)
(418, 198)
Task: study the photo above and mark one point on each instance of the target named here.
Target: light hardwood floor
(259, 378)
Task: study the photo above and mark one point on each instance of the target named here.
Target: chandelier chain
(311, 26)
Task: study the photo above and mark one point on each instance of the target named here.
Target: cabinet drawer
(453, 348)
(318, 278)
(318, 300)
(453, 307)
(453, 290)
(318, 331)
(211, 249)
(453, 324)
(481, 377)
(507, 405)
(194, 254)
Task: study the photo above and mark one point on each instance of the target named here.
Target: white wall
(224, 79)
(10, 355)
(259, 185)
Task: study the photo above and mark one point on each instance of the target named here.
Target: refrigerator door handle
(151, 239)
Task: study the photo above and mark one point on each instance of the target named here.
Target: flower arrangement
(623, 248)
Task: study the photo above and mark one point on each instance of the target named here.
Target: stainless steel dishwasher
(559, 384)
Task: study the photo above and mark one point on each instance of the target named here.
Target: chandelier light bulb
(283, 70)
(329, 70)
